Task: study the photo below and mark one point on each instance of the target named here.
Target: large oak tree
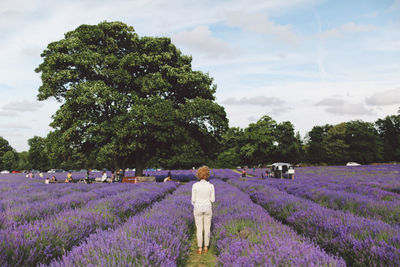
(126, 97)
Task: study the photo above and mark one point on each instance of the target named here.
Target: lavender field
(326, 216)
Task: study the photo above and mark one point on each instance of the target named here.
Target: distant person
(53, 179)
(117, 176)
(113, 176)
(243, 173)
(69, 176)
(121, 174)
(41, 175)
(87, 177)
(167, 179)
(203, 195)
(47, 181)
(104, 177)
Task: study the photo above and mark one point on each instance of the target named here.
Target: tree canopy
(126, 98)
(5, 155)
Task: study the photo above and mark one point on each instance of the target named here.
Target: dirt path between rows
(208, 259)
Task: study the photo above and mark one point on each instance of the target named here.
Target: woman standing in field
(202, 197)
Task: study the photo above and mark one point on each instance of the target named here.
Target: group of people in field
(51, 180)
(116, 176)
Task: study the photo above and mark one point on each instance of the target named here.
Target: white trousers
(203, 224)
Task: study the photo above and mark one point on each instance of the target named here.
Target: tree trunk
(117, 165)
(139, 164)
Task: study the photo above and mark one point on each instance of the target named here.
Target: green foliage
(230, 145)
(364, 142)
(124, 98)
(4, 148)
(289, 148)
(9, 160)
(259, 142)
(315, 152)
(38, 157)
(389, 132)
(23, 161)
(335, 144)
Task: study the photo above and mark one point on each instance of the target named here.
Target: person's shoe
(205, 249)
(199, 251)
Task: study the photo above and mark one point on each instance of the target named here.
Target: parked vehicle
(282, 170)
(5, 171)
(352, 164)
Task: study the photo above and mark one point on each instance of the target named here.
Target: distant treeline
(260, 144)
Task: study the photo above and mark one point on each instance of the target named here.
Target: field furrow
(360, 241)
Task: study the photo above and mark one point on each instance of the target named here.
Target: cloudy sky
(310, 62)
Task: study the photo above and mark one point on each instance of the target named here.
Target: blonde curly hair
(203, 173)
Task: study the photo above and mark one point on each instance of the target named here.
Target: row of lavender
(360, 241)
(42, 240)
(247, 236)
(335, 197)
(362, 190)
(243, 234)
(386, 176)
(22, 207)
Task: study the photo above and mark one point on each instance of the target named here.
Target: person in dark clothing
(87, 179)
(120, 175)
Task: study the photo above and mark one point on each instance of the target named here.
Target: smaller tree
(259, 141)
(315, 152)
(23, 161)
(335, 144)
(9, 160)
(232, 142)
(38, 157)
(4, 147)
(389, 132)
(363, 141)
(289, 144)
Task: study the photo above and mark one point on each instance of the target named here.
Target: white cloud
(256, 100)
(7, 113)
(349, 27)
(331, 33)
(352, 27)
(15, 126)
(259, 23)
(277, 111)
(390, 97)
(201, 40)
(330, 102)
(387, 46)
(338, 106)
(253, 119)
(23, 106)
(395, 6)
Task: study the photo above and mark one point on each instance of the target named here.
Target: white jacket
(202, 196)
